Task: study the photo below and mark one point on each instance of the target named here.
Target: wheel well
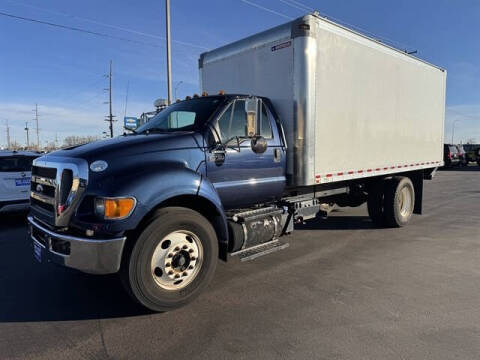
(202, 206)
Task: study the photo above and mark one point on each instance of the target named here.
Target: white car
(15, 174)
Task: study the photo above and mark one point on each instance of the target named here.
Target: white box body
(351, 106)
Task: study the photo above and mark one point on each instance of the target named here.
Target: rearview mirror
(251, 110)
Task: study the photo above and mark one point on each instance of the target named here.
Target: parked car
(450, 155)
(462, 156)
(15, 173)
(472, 152)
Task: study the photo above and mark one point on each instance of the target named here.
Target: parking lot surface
(342, 290)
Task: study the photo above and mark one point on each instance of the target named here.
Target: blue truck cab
(96, 207)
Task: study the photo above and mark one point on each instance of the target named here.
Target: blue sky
(63, 70)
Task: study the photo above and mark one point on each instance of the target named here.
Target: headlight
(114, 208)
(98, 166)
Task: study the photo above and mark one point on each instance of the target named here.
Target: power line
(267, 9)
(72, 28)
(297, 5)
(116, 27)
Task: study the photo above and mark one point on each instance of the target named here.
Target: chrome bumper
(92, 256)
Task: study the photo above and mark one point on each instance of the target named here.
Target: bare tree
(74, 140)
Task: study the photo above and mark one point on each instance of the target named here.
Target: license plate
(22, 182)
(37, 252)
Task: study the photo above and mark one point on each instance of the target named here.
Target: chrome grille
(57, 185)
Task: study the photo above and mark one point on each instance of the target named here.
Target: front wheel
(172, 261)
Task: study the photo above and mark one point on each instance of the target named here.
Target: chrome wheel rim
(177, 260)
(405, 202)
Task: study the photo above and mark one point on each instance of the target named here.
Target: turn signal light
(118, 208)
(114, 208)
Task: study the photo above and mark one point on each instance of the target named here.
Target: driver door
(241, 176)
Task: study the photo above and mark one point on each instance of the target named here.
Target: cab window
(233, 122)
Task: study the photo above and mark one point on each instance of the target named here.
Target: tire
(160, 281)
(375, 203)
(399, 201)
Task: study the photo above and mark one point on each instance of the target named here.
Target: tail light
(450, 155)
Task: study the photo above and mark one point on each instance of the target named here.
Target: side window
(264, 122)
(239, 120)
(233, 122)
(179, 119)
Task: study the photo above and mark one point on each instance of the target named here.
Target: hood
(131, 145)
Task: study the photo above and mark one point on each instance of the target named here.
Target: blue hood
(130, 145)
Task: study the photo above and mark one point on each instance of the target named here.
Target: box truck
(300, 118)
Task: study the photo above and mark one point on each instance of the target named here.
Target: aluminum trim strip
(248, 182)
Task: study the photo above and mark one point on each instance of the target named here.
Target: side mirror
(259, 144)
(251, 110)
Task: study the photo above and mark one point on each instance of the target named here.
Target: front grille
(42, 188)
(43, 205)
(46, 172)
(56, 188)
(65, 185)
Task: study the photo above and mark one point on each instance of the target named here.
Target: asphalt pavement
(342, 290)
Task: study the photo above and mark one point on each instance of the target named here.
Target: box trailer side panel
(351, 107)
(376, 109)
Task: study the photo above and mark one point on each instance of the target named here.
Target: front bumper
(94, 256)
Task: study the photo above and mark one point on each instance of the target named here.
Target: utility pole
(28, 138)
(169, 60)
(8, 135)
(36, 124)
(111, 116)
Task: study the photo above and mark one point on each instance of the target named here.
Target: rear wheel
(172, 261)
(399, 201)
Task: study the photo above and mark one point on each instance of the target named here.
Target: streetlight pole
(169, 60)
(176, 87)
(453, 128)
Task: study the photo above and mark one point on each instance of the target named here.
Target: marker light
(98, 166)
(221, 92)
(187, 97)
(195, 96)
(204, 93)
(114, 208)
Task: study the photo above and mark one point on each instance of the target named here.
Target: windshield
(183, 116)
(16, 163)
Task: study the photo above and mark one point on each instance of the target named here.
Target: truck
(300, 119)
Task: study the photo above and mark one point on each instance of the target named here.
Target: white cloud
(59, 121)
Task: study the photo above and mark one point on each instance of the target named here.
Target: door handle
(277, 155)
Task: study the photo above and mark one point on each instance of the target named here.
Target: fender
(155, 184)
